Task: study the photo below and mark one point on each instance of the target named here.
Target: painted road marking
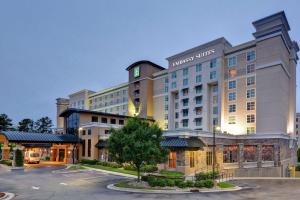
(63, 184)
(35, 188)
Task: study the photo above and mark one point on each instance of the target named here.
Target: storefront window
(72, 123)
(268, 153)
(250, 152)
(230, 154)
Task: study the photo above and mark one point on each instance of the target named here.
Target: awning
(37, 145)
(16, 136)
(101, 144)
(182, 142)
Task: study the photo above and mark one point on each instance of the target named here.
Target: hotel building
(248, 90)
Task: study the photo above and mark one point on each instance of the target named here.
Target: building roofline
(122, 85)
(144, 62)
(81, 91)
(280, 14)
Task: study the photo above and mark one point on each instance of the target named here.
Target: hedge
(144, 168)
(19, 158)
(206, 175)
(6, 162)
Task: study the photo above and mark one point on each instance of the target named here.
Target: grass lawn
(225, 185)
(119, 170)
(172, 174)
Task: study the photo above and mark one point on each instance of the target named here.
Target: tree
(298, 155)
(5, 122)
(138, 142)
(26, 125)
(43, 125)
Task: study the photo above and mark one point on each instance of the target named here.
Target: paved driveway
(41, 183)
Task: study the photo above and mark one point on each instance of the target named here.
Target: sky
(49, 49)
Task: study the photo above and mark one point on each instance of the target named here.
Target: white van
(32, 157)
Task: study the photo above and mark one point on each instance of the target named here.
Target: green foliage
(199, 184)
(26, 125)
(6, 162)
(298, 155)
(5, 123)
(138, 142)
(182, 184)
(298, 168)
(19, 158)
(170, 183)
(204, 183)
(110, 164)
(206, 175)
(190, 183)
(171, 174)
(144, 168)
(89, 162)
(43, 125)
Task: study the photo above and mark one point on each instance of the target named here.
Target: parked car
(32, 157)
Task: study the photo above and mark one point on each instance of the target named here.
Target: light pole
(215, 128)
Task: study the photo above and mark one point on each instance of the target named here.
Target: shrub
(110, 164)
(298, 168)
(145, 178)
(152, 181)
(89, 162)
(19, 158)
(128, 166)
(208, 183)
(170, 183)
(149, 168)
(298, 155)
(190, 183)
(47, 158)
(206, 175)
(161, 182)
(199, 184)
(182, 184)
(6, 162)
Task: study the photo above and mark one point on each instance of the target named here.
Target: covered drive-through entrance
(36, 147)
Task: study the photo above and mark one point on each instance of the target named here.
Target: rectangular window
(198, 67)
(166, 116)
(251, 56)
(176, 105)
(215, 88)
(232, 96)
(231, 61)
(89, 131)
(251, 93)
(250, 80)
(104, 120)
(113, 121)
(198, 79)
(198, 110)
(250, 153)
(268, 153)
(167, 107)
(250, 118)
(215, 110)
(192, 159)
(166, 80)
(185, 123)
(213, 75)
(215, 99)
(185, 102)
(231, 84)
(250, 130)
(176, 115)
(251, 105)
(209, 158)
(198, 89)
(213, 63)
(185, 92)
(185, 112)
(173, 75)
(94, 119)
(232, 108)
(176, 125)
(173, 85)
(185, 71)
(232, 73)
(250, 68)
(83, 132)
(166, 89)
(83, 148)
(198, 100)
(198, 121)
(230, 154)
(231, 120)
(215, 121)
(185, 82)
(89, 147)
(121, 121)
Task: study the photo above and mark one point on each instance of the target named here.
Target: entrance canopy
(192, 142)
(22, 137)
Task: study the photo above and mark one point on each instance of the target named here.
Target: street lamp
(215, 128)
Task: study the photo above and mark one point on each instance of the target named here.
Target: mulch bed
(2, 194)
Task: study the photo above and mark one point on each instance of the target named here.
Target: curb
(7, 196)
(110, 172)
(113, 187)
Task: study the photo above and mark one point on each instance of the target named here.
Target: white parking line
(35, 187)
(63, 184)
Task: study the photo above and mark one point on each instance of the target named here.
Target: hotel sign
(194, 57)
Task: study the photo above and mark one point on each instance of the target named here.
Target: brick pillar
(276, 155)
(241, 155)
(259, 155)
(5, 152)
(70, 152)
(219, 157)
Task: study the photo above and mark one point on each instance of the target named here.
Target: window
(166, 107)
(215, 99)
(176, 125)
(198, 100)
(198, 110)
(185, 102)
(215, 121)
(185, 82)
(250, 130)
(209, 158)
(251, 56)
(215, 88)
(176, 105)
(251, 80)
(121, 121)
(103, 120)
(185, 123)
(213, 63)
(185, 92)
(166, 116)
(83, 132)
(166, 89)
(173, 85)
(113, 121)
(232, 108)
(166, 80)
(251, 93)
(250, 118)
(232, 73)
(198, 121)
(83, 148)
(230, 153)
(166, 126)
(94, 119)
(106, 132)
(198, 89)
(232, 96)
(185, 71)
(192, 159)
(231, 61)
(198, 67)
(176, 115)
(250, 152)
(268, 153)
(172, 159)
(213, 75)
(231, 120)
(251, 105)
(173, 75)
(89, 131)
(198, 78)
(231, 84)
(250, 68)
(215, 110)
(89, 147)
(185, 112)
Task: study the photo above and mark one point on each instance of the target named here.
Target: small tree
(19, 158)
(43, 125)
(138, 142)
(298, 155)
(5, 122)
(26, 125)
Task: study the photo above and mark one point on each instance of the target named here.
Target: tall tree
(26, 125)
(5, 122)
(138, 142)
(43, 125)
